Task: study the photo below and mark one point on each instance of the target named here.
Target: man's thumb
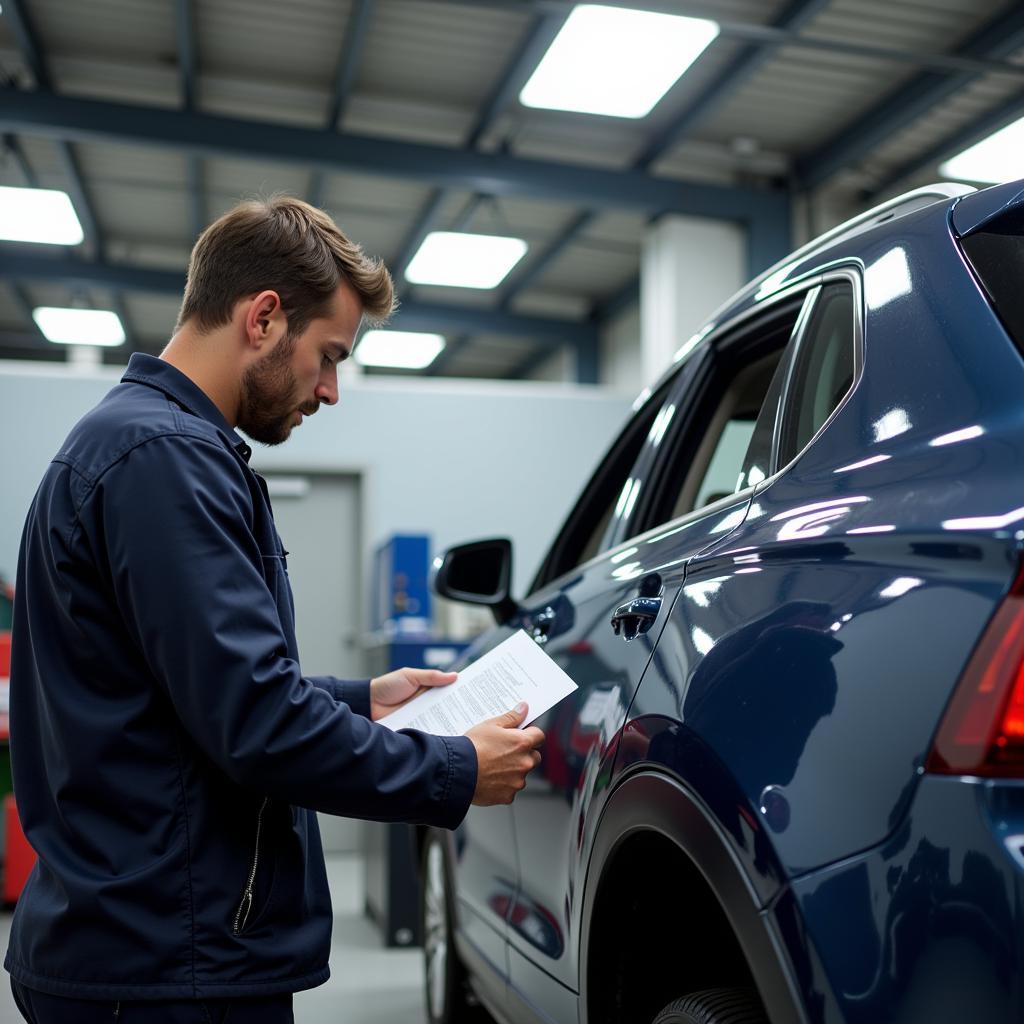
(514, 717)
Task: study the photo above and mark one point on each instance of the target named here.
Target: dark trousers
(40, 1008)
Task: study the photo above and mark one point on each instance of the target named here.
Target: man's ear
(264, 319)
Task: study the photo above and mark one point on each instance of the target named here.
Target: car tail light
(982, 731)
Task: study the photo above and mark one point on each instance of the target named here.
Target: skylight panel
(616, 61)
(459, 260)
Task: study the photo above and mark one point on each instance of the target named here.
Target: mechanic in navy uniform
(168, 752)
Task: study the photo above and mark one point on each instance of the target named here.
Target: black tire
(446, 990)
(714, 1006)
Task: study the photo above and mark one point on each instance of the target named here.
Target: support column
(690, 266)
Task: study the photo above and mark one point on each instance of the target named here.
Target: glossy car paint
(810, 634)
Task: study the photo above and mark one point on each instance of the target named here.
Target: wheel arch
(649, 812)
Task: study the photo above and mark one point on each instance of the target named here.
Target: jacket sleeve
(188, 576)
(353, 692)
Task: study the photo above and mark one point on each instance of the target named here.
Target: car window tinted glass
(717, 470)
(997, 255)
(823, 372)
(609, 490)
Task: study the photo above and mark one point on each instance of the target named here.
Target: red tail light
(982, 731)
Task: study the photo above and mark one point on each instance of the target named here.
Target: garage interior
(406, 118)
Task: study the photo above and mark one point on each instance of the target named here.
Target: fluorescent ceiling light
(459, 260)
(79, 326)
(996, 159)
(38, 215)
(406, 350)
(610, 60)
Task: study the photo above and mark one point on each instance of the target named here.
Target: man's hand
(397, 688)
(505, 755)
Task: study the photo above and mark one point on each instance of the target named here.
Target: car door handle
(540, 625)
(635, 617)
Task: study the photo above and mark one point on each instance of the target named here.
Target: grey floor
(369, 984)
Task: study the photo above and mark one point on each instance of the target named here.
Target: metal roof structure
(401, 117)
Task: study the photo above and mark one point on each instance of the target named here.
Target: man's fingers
(512, 718)
(534, 735)
(430, 676)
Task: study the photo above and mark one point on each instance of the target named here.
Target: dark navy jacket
(168, 753)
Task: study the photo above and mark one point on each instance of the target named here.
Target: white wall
(455, 460)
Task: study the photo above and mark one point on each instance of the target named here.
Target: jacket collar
(156, 373)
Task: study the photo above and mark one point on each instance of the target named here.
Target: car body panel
(811, 633)
(556, 813)
(932, 918)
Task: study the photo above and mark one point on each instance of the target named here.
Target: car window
(726, 466)
(823, 370)
(610, 490)
(725, 442)
(997, 255)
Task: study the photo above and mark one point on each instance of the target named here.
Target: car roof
(826, 248)
(836, 244)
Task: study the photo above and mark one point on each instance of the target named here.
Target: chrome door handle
(541, 625)
(635, 617)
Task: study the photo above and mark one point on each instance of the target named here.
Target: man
(167, 751)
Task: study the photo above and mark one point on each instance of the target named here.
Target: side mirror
(478, 573)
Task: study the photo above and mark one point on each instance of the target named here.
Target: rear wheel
(714, 1006)
(449, 1000)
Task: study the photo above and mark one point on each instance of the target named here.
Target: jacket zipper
(245, 904)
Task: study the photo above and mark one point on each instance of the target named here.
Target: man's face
(298, 373)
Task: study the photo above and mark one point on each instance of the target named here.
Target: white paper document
(516, 670)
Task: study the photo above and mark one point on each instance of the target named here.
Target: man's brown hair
(284, 244)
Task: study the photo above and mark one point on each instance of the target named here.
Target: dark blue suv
(790, 786)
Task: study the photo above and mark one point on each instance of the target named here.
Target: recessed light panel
(79, 326)
(996, 159)
(38, 215)
(614, 61)
(402, 350)
(458, 260)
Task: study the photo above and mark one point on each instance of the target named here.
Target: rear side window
(824, 369)
(723, 440)
(997, 256)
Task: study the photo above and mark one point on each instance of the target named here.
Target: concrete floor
(369, 984)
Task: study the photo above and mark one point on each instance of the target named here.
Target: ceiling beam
(17, 263)
(13, 147)
(999, 38)
(351, 58)
(16, 15)
(64, 117)
(776, 35)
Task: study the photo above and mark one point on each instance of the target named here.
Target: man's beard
(268, 397)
